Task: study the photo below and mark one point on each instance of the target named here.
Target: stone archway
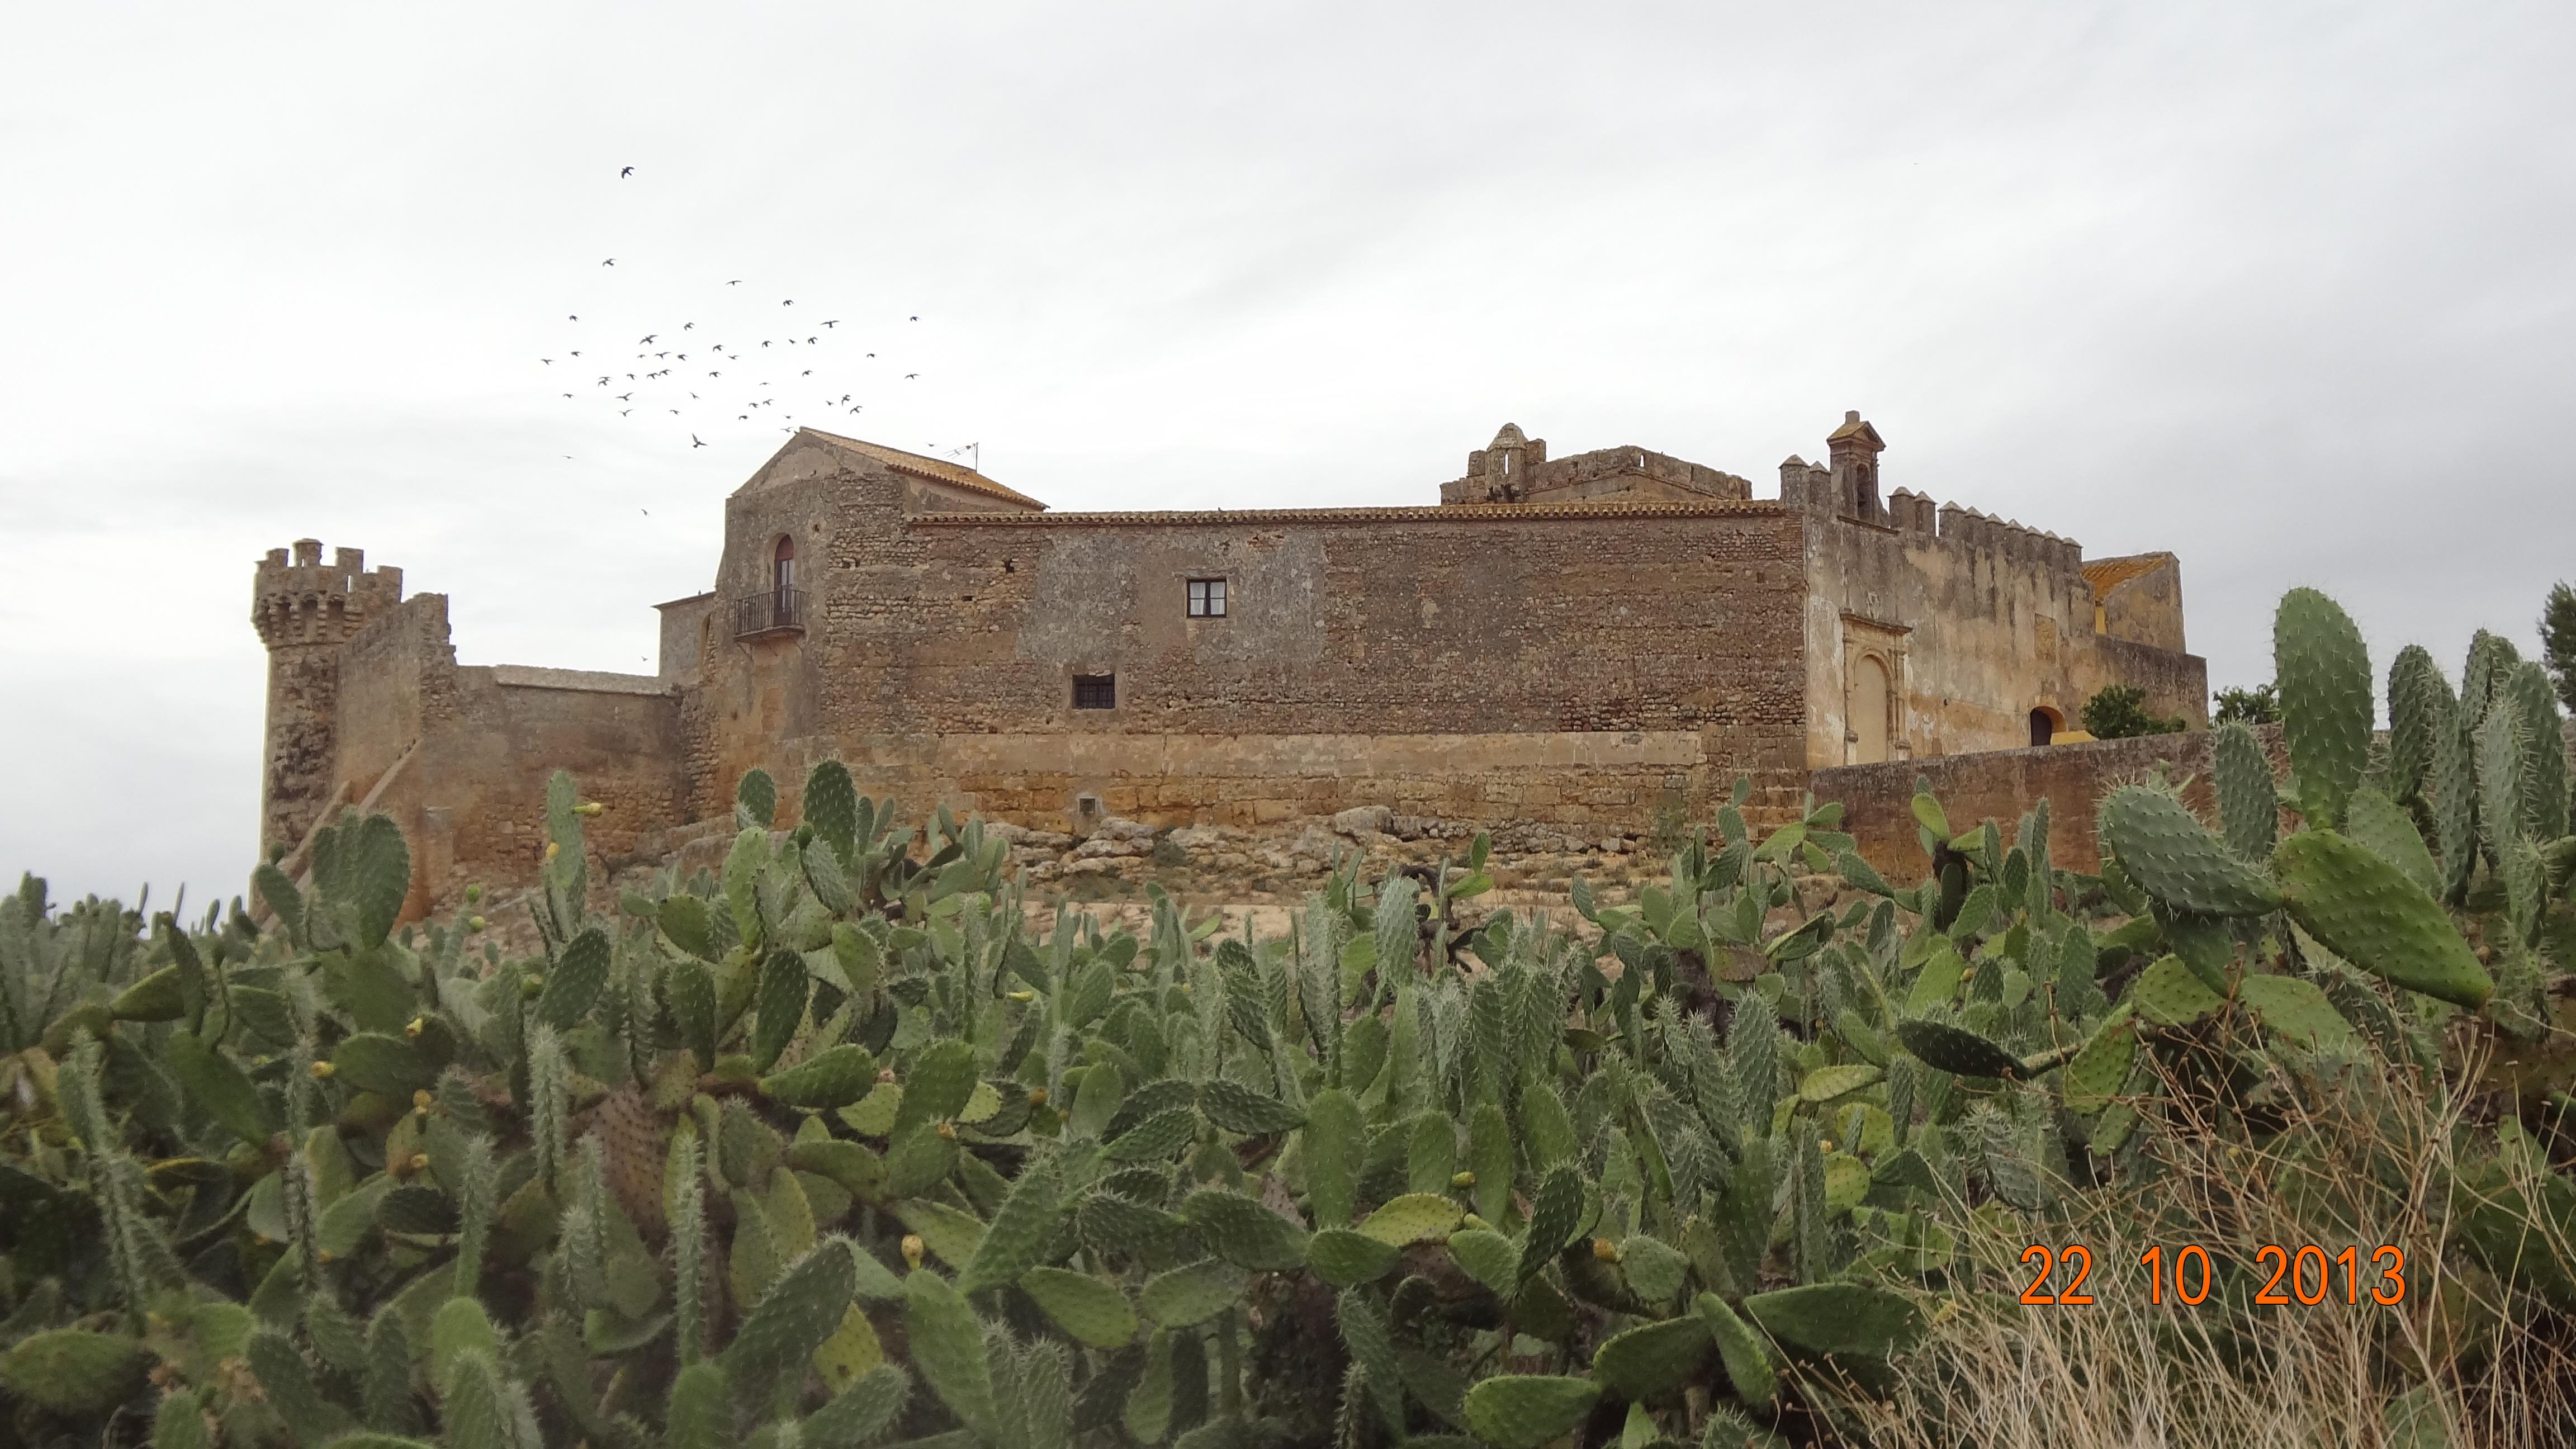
(1872, 695)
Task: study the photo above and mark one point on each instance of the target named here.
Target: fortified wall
(1577, 644)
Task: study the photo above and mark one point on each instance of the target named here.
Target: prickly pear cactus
(844, 1144)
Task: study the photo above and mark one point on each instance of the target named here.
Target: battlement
(1830, 490)
(297, 599)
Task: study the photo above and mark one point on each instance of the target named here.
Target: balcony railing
(779, 611)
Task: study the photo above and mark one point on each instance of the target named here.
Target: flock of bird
(746, 368)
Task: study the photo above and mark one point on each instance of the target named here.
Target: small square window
(1207, 598)
(1095, 691)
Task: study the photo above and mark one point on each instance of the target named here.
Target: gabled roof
(1854, 427)
(937, 470)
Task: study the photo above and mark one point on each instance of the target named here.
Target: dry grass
(2365, 1157)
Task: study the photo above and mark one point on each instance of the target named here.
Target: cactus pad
(2366, 911)
(1824, 1084)
(1652, 1359)
(1244, 1232)
(1838, 1318)
(1238, 1108)
(2174, 858)
(1417, 1217)
(1344, 1258)
(74, 1371)
(2296, 1009)
(947, 1343)
(1956, 1050)
(2324, 673)
(2169, 993)
(1740, 1350)
(1524, 1411)
(1192, 1294)
(1094, 1312)
(833, 1077)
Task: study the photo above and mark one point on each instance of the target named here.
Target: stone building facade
(1581, 641)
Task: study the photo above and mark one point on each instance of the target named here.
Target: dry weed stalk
(2362, 1154)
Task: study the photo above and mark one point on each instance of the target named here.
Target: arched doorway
(2044, 725)
(1869, 709)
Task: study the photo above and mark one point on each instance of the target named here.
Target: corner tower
(304, 610)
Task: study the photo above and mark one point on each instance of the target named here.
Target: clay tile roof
(2106, 574)
(937, 470)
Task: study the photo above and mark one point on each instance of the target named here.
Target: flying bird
(809, 372)
(871, 354)
(913, 319)
(835, 322)
(909, 376)
(693, 441)
(572, 319)
(577, 352)
(548, 361)
(648, 339)
(626, 397)
(790, 302)
(685, 326)
(621, 412)
(629, 171)
(736, 282)
(612, 261)
(603, 382)
(764, 343)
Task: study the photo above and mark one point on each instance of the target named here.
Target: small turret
(1852, 454)
(304, 610)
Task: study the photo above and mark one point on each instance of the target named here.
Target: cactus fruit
(2175, 858)
(2323, 670)
(1525, 1411)
(2367, 912)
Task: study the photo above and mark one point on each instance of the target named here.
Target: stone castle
(1579, 642)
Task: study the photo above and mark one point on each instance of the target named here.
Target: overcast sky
(2285, 288)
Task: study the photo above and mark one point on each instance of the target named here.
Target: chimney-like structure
(304, 610)
(1852, 455)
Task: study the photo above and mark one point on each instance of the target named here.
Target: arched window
(782, 567)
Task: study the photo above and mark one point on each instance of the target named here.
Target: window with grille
(1207, 598)
(1095, 691)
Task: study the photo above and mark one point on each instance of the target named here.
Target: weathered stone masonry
(1581, 642)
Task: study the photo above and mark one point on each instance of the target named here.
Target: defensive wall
(1590, 642)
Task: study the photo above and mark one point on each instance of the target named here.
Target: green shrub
(2119, 712)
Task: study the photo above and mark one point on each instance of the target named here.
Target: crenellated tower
(305, 610)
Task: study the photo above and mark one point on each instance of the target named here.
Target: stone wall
(1494, 629)
(1977, 622)
(2004, 784)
